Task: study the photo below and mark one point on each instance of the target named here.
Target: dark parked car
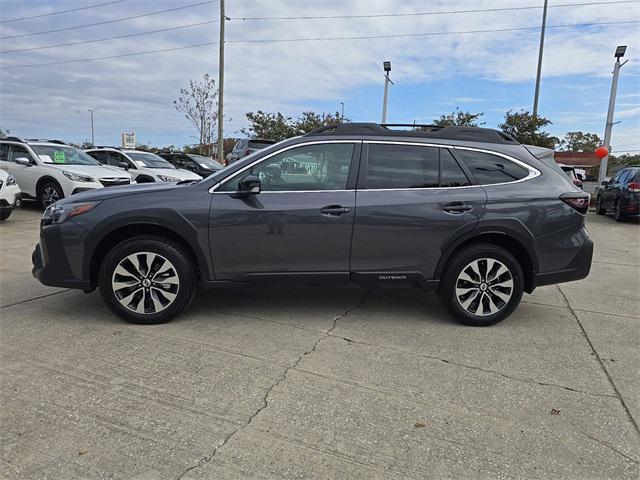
(571, 173)
(467, 212)
(203, 166)
(246, 146)
(621, 193)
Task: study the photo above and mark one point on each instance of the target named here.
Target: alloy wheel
(49, 195)
(145, 282)
(484, 287)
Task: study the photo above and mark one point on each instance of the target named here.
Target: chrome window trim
(277, 152)
(533, 172)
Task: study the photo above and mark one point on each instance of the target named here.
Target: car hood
(100, 194)
(96, 171)
(177, 173)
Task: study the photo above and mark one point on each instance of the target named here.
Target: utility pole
(542, 32)
(342, 112)
(93, 142)
(620, 51)
(223, 18)
(387, 69)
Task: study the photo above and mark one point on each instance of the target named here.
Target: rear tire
(618, 213)
(482, 285)
(4, 215)
(599, 209)
(147, 279)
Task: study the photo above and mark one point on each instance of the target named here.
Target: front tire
(147, 280)
(49, 193)
(482, 285)
(599, 208)
(4, 215)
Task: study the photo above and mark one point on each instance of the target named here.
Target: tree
(199, 105)
(4, 132)
(276, 126)
(527, 129)
(580, 142)
(459, 118)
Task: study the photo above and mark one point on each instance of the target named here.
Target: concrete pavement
(322, 383)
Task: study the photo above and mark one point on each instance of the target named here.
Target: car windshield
(149, 160)
(63, 155)
(206, 162)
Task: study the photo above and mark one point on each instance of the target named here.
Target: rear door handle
(334, 210)
(456, 207)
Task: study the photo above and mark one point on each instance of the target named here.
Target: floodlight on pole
(604, 162)
(386, 65)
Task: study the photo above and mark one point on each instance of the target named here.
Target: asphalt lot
(322, 383)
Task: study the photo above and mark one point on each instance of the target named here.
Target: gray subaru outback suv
(467, 212)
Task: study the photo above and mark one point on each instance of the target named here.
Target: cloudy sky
(45, 92)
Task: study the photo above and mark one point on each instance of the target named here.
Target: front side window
(488, 169)
(310, 167)
(18, 151)
(4, 152)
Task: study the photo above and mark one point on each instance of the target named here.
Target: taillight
(578, 201)
(634, 187)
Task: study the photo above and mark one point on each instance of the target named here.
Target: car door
(611, 189)
(300, 223)
(25, 174)
(411, 198)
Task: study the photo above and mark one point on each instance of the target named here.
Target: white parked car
(9, 194)
(143, 166)
(48, 170)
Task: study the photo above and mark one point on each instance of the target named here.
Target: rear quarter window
(488, 169)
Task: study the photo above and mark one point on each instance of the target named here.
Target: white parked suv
(143, 166)
(9, 194)
(48, 170)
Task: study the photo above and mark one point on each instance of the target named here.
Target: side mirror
(124, 165)
(23, 161)
(579, 175)
(249, 185)
(604, 183)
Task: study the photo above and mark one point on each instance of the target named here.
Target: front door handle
(456, 207)
(334, 210)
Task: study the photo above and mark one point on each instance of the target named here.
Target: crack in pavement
(601, 363)
(35, 298)
(605, 444)
(265, 399)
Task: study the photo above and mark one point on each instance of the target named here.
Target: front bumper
(577, 269)
(57, 258)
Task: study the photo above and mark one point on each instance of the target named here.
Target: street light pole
(342, 111)
(221, 86)
(387, 69)
(540, 51)
(93, 142)
(620, 51)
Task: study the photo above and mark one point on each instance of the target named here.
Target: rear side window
(488, 169)
(411, 166)
(402, 166)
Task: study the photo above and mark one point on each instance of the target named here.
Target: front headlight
(74, 177)
(166, 178)
(11, 180)
(61, 213)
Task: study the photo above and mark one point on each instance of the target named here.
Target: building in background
(587, 161)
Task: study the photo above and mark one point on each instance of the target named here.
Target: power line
(59, 12)
(110, 38)
(446, 12)
(158, 12)
(113, 56)
(404, 35)
(499, 30)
